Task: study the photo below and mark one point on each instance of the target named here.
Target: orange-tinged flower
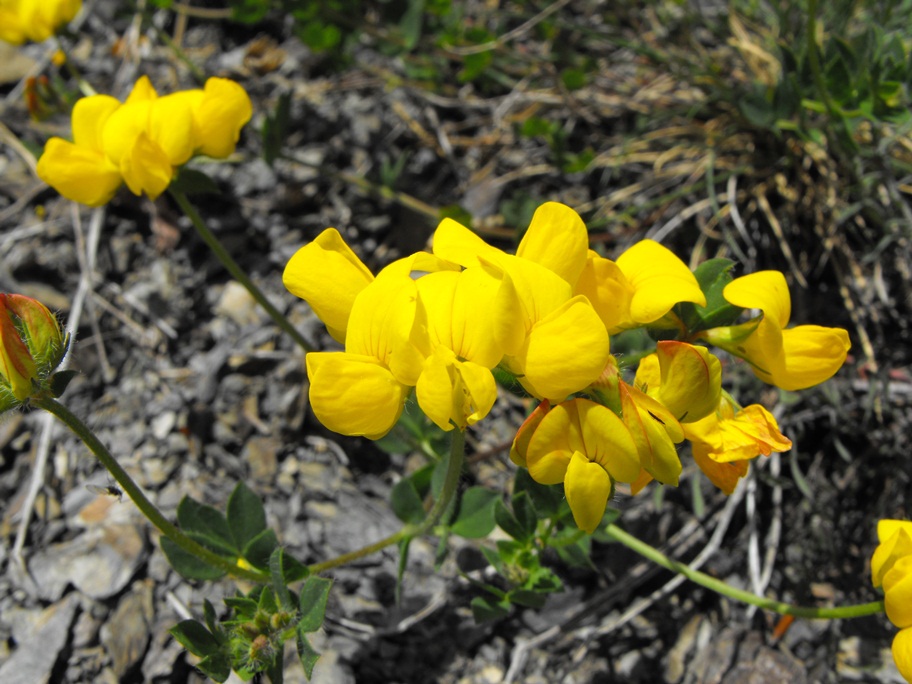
(32, 345)
(35, 20)
(790, 358)
(585, 446)
(655, 432)
(726, 440)
(685, 378)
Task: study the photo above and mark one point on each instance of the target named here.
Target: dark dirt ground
(191, 385)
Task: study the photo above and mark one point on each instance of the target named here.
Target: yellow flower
(726, 440)
(790, 358)
(142, 141)
(585, 446)
(685, 378)
(35, 20)
(552, 340)
(891, 568)
(640, 288)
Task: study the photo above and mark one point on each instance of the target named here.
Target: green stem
(814, 59)
(147, 508)
(236, 272)
(450, 483)
(724, 589)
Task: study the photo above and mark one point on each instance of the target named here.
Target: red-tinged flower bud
(32, 345)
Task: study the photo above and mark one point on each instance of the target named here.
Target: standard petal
(78, 173)
(328, 275)
(90, 114)
(171, 127)
(142, 91)
(587, 487)
(764, 290)
(691, 380)
(123, 127)
(556, 239)
(354, 395)
(565, 352)
(146, 168)
(608, 290)
(220, 114)
(454, 242)
(16, 364)
(891, 549)
(886, 528)
(659, 280)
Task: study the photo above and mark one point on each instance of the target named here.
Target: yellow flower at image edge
(142, 141)
(891, 568)
(31, 346)
(35, 20)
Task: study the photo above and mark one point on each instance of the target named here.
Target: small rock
(34, 659)
(125, 635)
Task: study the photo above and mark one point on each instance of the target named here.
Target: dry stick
(49, 424)
(510, 35)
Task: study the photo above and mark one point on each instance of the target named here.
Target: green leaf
(525, 597)
(486, 610)
(524, 511)
(246, 516)
(211, 618)
(275, 129)
(405, 501)
(573, 79)
(194, 636)
(277, 575)
(546, 498)
(505, 519)
(712, 275)
(411, 22)
(314, 595)
(260, 549)
(267, 603)
(60, 380)
(188, 565)
(243, 606)
(307, 654)
(293, 570)
(194, 182)
(401, 565)
(476, 513)
(216, 667)
(206, 525)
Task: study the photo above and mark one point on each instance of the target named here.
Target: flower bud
(32, 345)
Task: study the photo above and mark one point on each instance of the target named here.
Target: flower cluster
(440, 322)
(891, 569)
(35, 20)
(142, 141)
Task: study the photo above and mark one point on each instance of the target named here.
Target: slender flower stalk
(236, 271)
(720, 587)
(147, 508)
(454, 464)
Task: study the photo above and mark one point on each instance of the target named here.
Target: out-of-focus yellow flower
(585, 446)
(725, 441)
(640, 288)
(32, 345)
(35, 20)
(552, 340)
(143, 141)
(790, 358)
(891, 568)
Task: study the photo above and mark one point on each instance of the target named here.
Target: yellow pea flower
(685, 378)
(585, 446)
(639, 288)
(454, 331)
(790, 358)
(143, 141)
(725, 441)
(32, 345)
(35, 20)
(553, 341)
(891, 568)
(362, 391)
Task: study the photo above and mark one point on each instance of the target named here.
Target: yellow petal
(649, 424)
(891, 548)
(608, 441)
(902, 653)
(328, 275)
(354, 395)
(608, 290)
(550, 449)
(78, 173)
(556, 239)
(146, 168)
(17, 367)
(142, 91)
(725, 476)
(588, 488)
(764, 290)
(524, 435)
(565, 352)
(171, 127)
(454, 242)
(454, 393)
(813, 354)
(123, 127)
(434, 390)
(691, 380)
(659, 280)
(221, 113)
(90, 114)
(897, 586)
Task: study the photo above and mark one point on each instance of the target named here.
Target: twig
(509, 35)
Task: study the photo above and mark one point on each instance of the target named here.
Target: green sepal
(712, 275)
(59, 381)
